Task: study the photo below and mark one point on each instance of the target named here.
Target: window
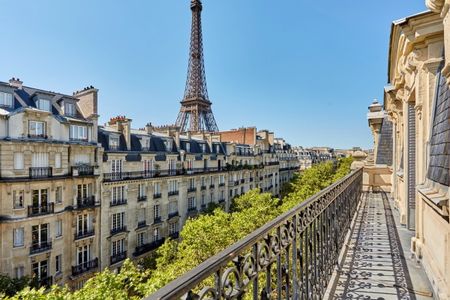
(203, 199)
(84, 191)
(40, 198)
(19, 272)
(141, 190)
(58, 263)
(58, 228)
(141, 215)
(173, 228)
(217, 148)
(43, 104)
(145, 143)
(84, 224)
(58, 194)
(36, 128)
(173, 185)
(18, 161)
(221, 179)
(17, 199)
(203, 148)
(39, 235)
(39, 160)
(58, 160)
(222, 195)
(83, 254)
(156, 211)
(78, 132)
(156, 235)
(191, 183)
(168, 144)
(114, 143)
(140, 240)
(6, 99)
(116, 166)
(18, 237)
(157, 188)
(211, 197)
(148, 165)
(191, 203)
(203, 181)
(188, 147)
(189, 164)
(118, 221)
(40, 269)
(118, 194)
(69, 109)
(118, 247)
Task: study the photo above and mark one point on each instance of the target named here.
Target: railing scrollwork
(291, 257)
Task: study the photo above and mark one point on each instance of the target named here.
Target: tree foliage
(201, 238)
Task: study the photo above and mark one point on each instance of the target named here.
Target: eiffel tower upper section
(195, 114)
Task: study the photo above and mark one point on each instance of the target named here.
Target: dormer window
(69, 109)
(78, 133)
(6, 99)
(43, 104)
(145, 144)
(114, 143)
(168, 144)
(188, 147)
(36, 129)
(203, 148)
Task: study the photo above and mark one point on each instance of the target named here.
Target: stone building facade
(417, 116)
(76, 197)
(49, 184)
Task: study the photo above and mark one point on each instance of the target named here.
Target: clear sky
(306, 69)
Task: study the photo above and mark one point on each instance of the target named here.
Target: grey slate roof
(439, 167)
(385, 142)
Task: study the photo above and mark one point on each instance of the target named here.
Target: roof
(439, 166)
(385, 144)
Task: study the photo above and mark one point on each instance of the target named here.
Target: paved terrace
(378, 263)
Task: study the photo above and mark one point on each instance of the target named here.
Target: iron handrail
(339, 201)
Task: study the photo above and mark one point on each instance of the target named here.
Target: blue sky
(305, 69)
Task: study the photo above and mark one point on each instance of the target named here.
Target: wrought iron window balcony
(40, 247)
(251, 179)
(221, 200)
(157, 220)
(37, 136)
(118, 202)
(173, 215)
(84, 234)
(192, 189)
(87, 202)
(41, 210)
(192, 210)
(119, 176)
(211, 186)
(85, 267)
(236, 182)
(222, 184)
(44, 282)
(142, 224)
(242, 180)
(203, 207)
(83, 170)
(203, 187)
(297, 251)
(72, 139)
(41, 172)
(261, 177)
(118, 257)
(118, 230)
(142, 198)
(139, 250)
(174, 235)
(157, 195)
(173, 193)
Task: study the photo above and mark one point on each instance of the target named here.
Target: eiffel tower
(195, 114)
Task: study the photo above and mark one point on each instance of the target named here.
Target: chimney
(123, 125)
(88, 101)
(149, 128)
(174, 132)
(15, 82)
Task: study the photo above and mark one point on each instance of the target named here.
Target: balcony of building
(118, 257)
(85, 170)
(40, 172)
(145, 248)
(86, 202)
(343, 243)
(85, 267)
(40, 210)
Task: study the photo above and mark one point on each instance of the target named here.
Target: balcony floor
(378, 263)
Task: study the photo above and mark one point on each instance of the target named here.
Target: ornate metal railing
(291, 257)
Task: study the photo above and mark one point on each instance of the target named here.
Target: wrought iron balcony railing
(40, 247)
(41, 172)
(85, 267)
(40, 210)
(157, 195)
(192, 189)
(118, 257)
(84, 234)
(141, 198)
(173, 193)
(87, 202)
(118, 202)
(118, 230)
(83, 170)
(173, 215)
(291, 257)
(139, 250)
